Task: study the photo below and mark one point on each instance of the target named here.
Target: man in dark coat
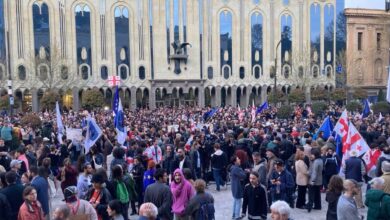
(181, 161)
(14, 194)
(255, 199)
(40, 183)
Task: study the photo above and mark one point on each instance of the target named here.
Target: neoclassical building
(75, 45)
(368, 43)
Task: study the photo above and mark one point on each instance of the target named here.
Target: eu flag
(115, 103)
(326, 128)
(366, 109)
(261, 108)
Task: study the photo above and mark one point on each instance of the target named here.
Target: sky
(371, 4)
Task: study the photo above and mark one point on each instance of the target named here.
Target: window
(84, 72)
(210, 72)
(42, 72)
(360, 41)
(64, 72)
(83, 34)
(257, 72)
(141, 73)
(41, 25)
(286, 36)
(329, 33)
(226, 72)
(378, 41)
(2, 32)
(315, 32)
(122, 42)
(242, 72)
(176, 10)
(21, 72)
(104, 72)
(257, 39)
(123, 72)
(285, 2)
(226, 32)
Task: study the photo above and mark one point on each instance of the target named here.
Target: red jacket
(25, 214)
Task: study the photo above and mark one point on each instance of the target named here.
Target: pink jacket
(182, 193)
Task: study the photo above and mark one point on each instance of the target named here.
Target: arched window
(257, 39)
(286, 36)
(21, 72)
(122, 42)
(84, 72)
(256, 2)
(83, 34)
(2, 32)
(64, 72)
(210, 72)
(329, 33)
(315, 33)
(257, 72)
(176, 18)
(141, 73)
(242, 72)
(286, 2)
(43, 72)
(123, 72)
(104, 72)
(226, 72)
(225, 38)
(300, 72)
(41, 25)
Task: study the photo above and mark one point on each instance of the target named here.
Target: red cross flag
(355, 141)
(114, 81)
(371, 158)
(341, 128)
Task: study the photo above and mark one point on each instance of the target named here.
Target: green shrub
(354, 106)
(381, 96)
(318, 108)
(383, 107)
(360, 94)
(280, 96)
(285, 111)
(92, 99)
(31, 120)
(319, 94)
(4, 103)
(49, 99)
(338, 95)
(297, 96)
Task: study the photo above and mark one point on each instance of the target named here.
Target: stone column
(201, 97)
(76, 100)
(263, 94)
(218, 96)
(308, 95)
(233, 96)
(248, 95)
(133, 99)
(35, 101)
(152, 98)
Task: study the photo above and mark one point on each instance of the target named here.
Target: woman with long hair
(31, 208)
(149, 173)
(302, 178)
(335, 188)
(68, 175)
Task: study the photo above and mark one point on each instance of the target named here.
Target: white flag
(60, 126)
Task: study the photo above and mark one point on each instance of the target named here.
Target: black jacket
(176, 164)
(4, 208)
(219, 160)
(14, 194)
(101, 209)
(160, 195)
(255, 201)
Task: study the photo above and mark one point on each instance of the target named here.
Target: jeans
(218, 178)
(236, 207)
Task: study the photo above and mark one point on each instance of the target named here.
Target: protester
(84, 180)
(237, 176)
(148, 211)
(280, 210)
(62, 212)
(218, 165)
(281, 183)
(31, 209)
(346, 206)
(355, 169)
(315, 172)
(115, 210)
(386, 176)
(202, 204)
(182, 192)
(302, 179)
(377, 201)
(5, 208)
(255, 199)
(39, 182)
(333, 193)
(79, 207)
(99, 196)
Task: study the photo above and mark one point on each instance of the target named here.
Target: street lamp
(275, 69)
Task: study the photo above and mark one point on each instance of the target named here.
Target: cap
(70, 191)
(14, 163)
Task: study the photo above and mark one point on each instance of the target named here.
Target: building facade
(75, 45)
(368, 46)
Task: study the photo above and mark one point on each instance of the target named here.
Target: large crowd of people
(173, 157)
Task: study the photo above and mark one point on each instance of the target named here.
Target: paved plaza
(224, 203)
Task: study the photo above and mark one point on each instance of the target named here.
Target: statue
(179, 54)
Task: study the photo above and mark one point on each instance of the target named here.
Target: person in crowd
(255, 198)
(138, 175)
(168, 159)
(20, 155)
(196, 159)
(79, 207)
(13, 193)
(260, 166)
(121, 190)
(148, 175)
(95, 158)
(148, 211)
(181, 161)
(331, 165)
(377, 201)
(315, 173)
(237, 175)
(39, 182)
(153, 152)
(218, 165)
(84, 180)
(355, 169)
(99, 196)
(386, 176)
(130, 185)
(16, 166)
(188, 176)
(272, 157)
(384, 157)
(346, 206)
(119, 157)
(4, 208)
(301, 179)
(281, 182)
(160, 195)
(31, 208)
(280, 210)
(115, 210)
(61, 212)
(68, 175)
(182, 192)
(201, 201)
(333, 193)
(25, 179)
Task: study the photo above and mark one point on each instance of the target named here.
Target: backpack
(331, 165)
(121, 192)
(206, 211)
(381, 214)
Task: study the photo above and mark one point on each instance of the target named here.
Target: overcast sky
(372, 4)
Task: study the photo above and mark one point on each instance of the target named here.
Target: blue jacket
(6, 133)
(42, 187)
(237, 175)
(353, 169)
(286, 179)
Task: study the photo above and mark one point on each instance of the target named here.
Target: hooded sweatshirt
(378, 205)
(181, 192)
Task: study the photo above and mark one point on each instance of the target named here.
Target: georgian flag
(355, 141)
(341, 128)
(370, 158)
